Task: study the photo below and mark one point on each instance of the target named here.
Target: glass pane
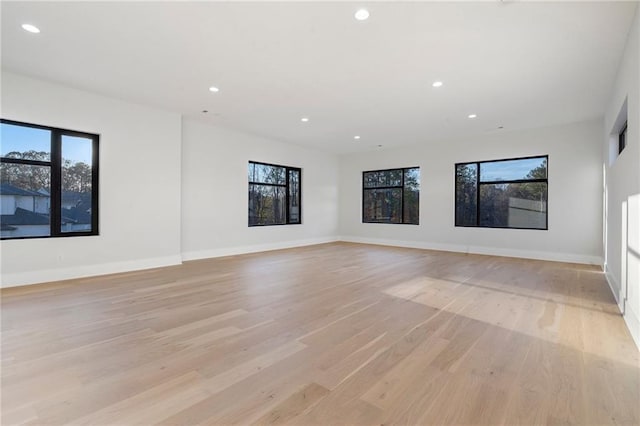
(514, 205)
(382, 205)
(391, 178)
(267, 205)
(261, 173)
(75, 210)
(412, 196)
(25, 142)
(25, 200)
(530, 168)
(466, 197)
(622, 139)
(251, 171)
(370, 179)
(294, 196)
(382, 178)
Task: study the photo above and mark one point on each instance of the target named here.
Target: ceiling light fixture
(214, 89)
(304, 119)
(472, 116)
(362, 15)
(356, 137)
(437, 84)
(31, 28)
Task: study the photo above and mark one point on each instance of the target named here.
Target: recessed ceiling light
(31, 28)
(214, 89)
(304, 119)
(362, 15)
(356, 137)
(437, 84)
(472, 116)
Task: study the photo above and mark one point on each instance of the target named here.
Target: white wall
(215, 193)
(575, 194)
(622, 222)
(139, 185)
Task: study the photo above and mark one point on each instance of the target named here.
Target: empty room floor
(330, 334)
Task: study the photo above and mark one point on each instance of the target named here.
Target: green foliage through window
(391, 196)
(508, 193)
(274, 194)
(48, 181)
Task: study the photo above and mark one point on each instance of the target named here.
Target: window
(48, 182)
(274, 194)
(391, 196)
(508, 193)
(622, 138)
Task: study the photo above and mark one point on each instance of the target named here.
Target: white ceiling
(514, 64)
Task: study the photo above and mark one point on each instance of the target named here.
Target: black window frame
(288, 170)
(55, 164)
(622, 138)
(506, 181)
(402, 171)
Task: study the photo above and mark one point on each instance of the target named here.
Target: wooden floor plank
(335, 333)
(295, 405)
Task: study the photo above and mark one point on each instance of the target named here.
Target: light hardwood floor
(329, 334)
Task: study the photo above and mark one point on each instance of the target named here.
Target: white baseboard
(59, 274)
(36, 277)
(493, 251)
(632, 320)
(615, 287)
(232, 251)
